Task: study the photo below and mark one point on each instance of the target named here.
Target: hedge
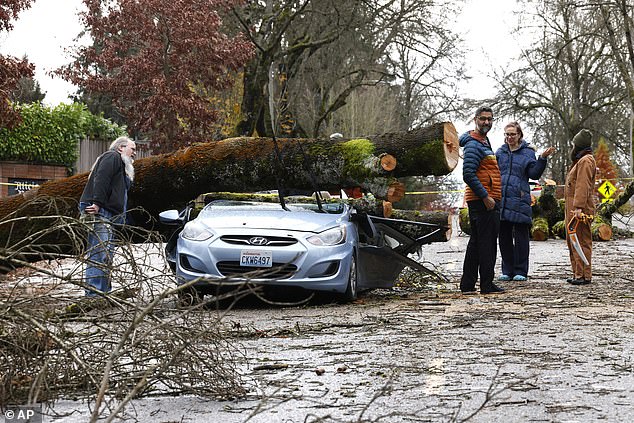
(51, 135)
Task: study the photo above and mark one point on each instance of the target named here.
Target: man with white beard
(103, 204)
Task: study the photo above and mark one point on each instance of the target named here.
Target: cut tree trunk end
(600, 229)
(539, 230)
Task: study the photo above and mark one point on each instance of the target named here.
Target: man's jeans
(100, 249)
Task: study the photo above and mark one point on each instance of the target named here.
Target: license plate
(256, 258)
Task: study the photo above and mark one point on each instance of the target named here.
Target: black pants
(514, 247)
(482, 247)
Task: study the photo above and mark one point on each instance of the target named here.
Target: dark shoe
(580, 281)
(468, 290)
(493, 289)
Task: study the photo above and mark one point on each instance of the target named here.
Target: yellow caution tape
(21, 184)
(433, 192)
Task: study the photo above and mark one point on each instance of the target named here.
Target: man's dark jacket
(106, 184)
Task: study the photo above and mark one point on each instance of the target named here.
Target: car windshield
(217, 205)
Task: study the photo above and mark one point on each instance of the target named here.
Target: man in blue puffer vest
(483, 193)
(516, 159)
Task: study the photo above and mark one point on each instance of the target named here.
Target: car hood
(303, 221)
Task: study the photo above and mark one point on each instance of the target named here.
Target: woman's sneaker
(504, 278)
(519, 278)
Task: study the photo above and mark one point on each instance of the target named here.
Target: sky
(49, 26)
(41, 33)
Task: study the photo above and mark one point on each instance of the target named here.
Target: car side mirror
(170, 217)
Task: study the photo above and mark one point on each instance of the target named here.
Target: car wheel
(189, 296)
(352, 289)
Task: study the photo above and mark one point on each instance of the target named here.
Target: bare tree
(616, 19)
(568, 80)
(326, 50)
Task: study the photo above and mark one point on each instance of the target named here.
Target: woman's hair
(517, 127)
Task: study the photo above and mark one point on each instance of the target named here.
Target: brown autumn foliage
(160, 61)
(606, 170)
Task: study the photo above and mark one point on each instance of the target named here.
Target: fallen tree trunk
(463, 220)
(600, 229)
(559, 229)
(244, 165)
(607, 209)
(438, 143)
(547, 206)
(251, 164)
(440, 218)
(539, 229)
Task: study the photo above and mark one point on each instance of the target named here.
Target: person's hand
(489, 202)
(548, 152)
(92, 209)
(577, 213)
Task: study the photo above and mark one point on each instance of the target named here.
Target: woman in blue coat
(517, 163)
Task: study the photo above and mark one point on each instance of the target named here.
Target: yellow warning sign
(607, 190)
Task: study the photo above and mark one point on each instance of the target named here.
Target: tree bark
(540, 230)
(559, 229)
(607, 209)
(548, 206)
(437, 142)
(600, 229)
(463, 220)
(244, 164)
(253, 164)
(441, 218)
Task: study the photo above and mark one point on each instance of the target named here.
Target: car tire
(352, 290)
(188, 297)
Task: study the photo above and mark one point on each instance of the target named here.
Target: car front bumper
(215, 262)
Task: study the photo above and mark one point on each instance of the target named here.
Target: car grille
(274, 241)
(277, 271)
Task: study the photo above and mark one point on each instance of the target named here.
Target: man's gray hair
(119, 142)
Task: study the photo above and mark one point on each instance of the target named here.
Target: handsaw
(574, 239)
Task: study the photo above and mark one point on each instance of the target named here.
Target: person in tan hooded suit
(579, 197)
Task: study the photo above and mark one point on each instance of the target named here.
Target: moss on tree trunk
(463, 220)
(539, 229)
(251, 164)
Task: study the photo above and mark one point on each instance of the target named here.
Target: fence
(89, 150)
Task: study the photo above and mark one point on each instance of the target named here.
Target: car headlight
(332, 236)
(196, 232)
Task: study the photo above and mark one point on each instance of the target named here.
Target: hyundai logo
(258, 240)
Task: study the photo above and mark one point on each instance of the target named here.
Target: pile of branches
(135, 341)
